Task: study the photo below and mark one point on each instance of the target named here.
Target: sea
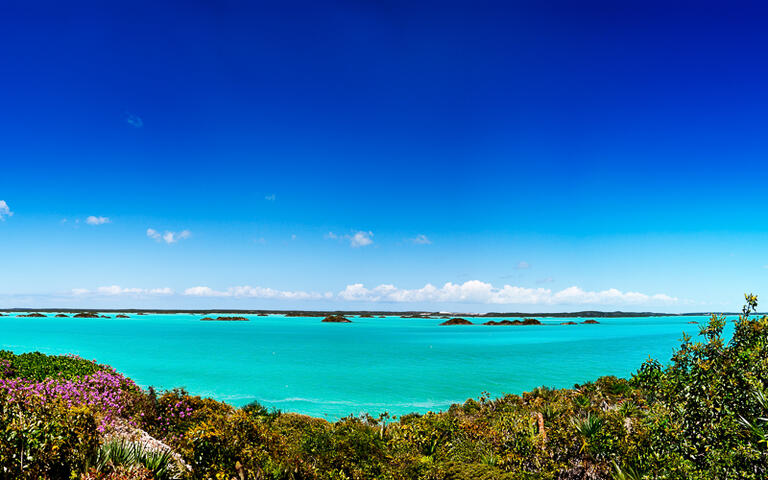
(372, 365)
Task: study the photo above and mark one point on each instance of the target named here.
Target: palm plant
(759, 427)
(626, 473)
(123, 453)
(160, 463)
(490, 458)
(587, 427)
(628, 408)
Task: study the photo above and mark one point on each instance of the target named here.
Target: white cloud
(356, 240)
(118, 290)
(255, 292)
(361, 239)
(133, 120)
(523, 265)
(475, 291)
(92, 220)
(5, 210)
(270, 198)
(204, 292)
(161, 291)
(421, 239)
(167, 236)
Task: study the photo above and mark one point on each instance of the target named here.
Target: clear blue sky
(484, 156)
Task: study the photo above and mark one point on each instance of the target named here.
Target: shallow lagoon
(332, 370)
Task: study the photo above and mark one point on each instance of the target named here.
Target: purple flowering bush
(106, 394)
(53, 410)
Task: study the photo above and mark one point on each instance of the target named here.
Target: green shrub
(38, 366)
(45, 440)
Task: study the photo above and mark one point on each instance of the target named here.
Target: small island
(86, 315)
(122, 316)
(531, 321)
(35, 315)
(569, 323)
(525, 321)
(590, 322)
(457, 321)
(336, 319)
(224, 319)
(503, 322)
(61, 315)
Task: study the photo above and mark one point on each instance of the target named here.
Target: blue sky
(480, 156)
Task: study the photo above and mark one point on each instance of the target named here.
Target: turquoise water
(332, 370)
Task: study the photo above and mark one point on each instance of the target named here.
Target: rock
(104, 316)
(35, 315)
(457, 321)
(336, 319)
(531, 321)
(224, 319)
(125, 432)
(365, 315)
(86, 315)
(61, 315)
(122, 316)
(693, 322)
(590, 322)
(569, 323)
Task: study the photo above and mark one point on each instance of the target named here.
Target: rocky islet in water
(224, 319)
(457, 321)
(336, 319)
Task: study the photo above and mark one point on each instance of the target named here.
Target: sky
(462, 156)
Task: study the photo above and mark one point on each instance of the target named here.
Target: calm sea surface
(332, 370)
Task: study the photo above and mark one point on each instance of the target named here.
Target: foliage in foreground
(703, 416)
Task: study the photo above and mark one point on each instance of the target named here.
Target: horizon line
(426, 313)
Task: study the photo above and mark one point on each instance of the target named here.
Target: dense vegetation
(702, 416)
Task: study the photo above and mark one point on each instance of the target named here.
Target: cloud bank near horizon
(472, 292)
